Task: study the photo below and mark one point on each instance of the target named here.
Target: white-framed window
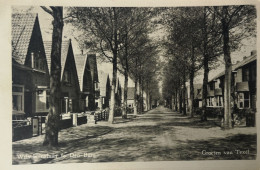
(243, 100)
(37, 61)
(219, 101)
(103, 100)
(210, 101)
(42, 100)
(70, 105)
(18, 98)
(66, 105)
(86, 104)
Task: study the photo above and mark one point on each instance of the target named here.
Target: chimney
(253, 52)
(244, 57)
(82, 51)
(32, 59)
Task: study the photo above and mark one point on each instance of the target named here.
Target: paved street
(158, 135)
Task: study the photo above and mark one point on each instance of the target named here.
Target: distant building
(243, 85)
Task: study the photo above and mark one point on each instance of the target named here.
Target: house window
(37, 61)
(253, 68)
(18, 98)
(210, 101)
(67, 76)
(243, 100)
(245, 74)
(70, 105)
(66, 105)
(86, 104)
(211, 86)
(42, 100)
(219, 101)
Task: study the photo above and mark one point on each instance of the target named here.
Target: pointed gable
(22, 29)
(81, 64)
(64, 53)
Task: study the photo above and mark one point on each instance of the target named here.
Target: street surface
(157, 135)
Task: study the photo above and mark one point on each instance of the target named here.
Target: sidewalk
(158, 135)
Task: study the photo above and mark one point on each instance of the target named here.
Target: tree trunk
(53, 117)
(204, 88)
(184, 93)
(135, 98)
(124, 113)
(146, 99)
(114, 78)
(176, 100)
(191, 94)
(228, 70)
(180, 101)
(140, 95)
(191, 83)
(173, 103)
(206, 70)
(112, 99)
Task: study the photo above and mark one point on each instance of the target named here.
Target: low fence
(34, 126)
(22, 129)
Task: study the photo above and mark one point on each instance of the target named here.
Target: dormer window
(67, 76)
(37, 61)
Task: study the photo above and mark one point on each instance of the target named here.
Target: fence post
(75, 119)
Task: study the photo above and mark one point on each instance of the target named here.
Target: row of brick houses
(243, 86)
(83, 88)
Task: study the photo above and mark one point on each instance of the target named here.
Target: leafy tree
(183, 40)
(104, 25)
(136, 23)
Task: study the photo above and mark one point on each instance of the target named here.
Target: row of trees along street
(196, 38)
(121, 36)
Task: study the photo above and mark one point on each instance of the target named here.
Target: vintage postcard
(120, 85)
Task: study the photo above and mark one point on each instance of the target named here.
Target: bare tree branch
(47, 10)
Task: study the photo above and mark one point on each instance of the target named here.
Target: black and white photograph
(133, 84)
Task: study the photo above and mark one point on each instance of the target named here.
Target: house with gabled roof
(70, 89)
(243, 85)
(30, 76)
(85, 82)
